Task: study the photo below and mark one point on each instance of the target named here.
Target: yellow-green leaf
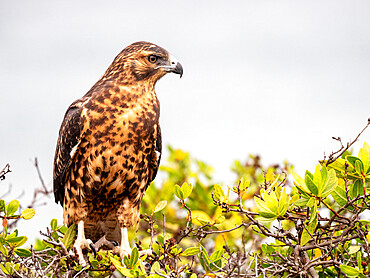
(186, 189)
(263, 209)
(271, 201)
(3, 249)
(308, 232)
(134, 257)
(349, 270)
(16, 241)
(317, 176)
(124, 271)
(28, 213)
(54, 224)
(331, 183)
(69, 236)
(299, 182)
(364, 155)
(339, 195)
(23, 252)
(12, 207)
(161, 205)
(219, 193)
(191, 251)
(311, 185)
(283, 203)
(178, 192)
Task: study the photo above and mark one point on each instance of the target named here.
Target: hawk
(109, 148)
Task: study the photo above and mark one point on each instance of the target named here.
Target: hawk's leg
(125, 249)
(81, 243)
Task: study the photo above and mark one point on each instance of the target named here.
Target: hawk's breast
(116, 147)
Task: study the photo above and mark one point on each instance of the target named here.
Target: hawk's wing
(69, 137)
(153, 168)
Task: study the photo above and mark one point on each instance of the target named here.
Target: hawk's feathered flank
(109, 146)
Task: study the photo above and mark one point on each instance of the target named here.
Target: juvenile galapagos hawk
(109, 148)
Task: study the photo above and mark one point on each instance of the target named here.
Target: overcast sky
(277, 78)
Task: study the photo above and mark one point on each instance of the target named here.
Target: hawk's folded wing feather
(153, 167)
(69, 137)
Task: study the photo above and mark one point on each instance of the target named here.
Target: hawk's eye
(152, 59)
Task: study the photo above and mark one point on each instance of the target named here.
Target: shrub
(272, 222)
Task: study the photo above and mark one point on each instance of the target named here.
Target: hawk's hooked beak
(176, 67)
(173, 66)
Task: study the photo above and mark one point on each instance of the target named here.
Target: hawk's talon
(92, 247)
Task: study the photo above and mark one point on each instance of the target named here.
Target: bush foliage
(272, 222)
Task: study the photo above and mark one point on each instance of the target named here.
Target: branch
(342, 149)
(4, 171)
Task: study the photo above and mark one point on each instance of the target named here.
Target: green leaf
(16, 241)
(69, 236)
(126, 261)
(124, 271)
(204, 259)
(359, 167)
(63, 229)
(364, 155)
(23, 252)
(191, 251)
(263, 210)
(244, 184)
(302, 202)
(359, 260)
(54, 224)
(178, 192)
(299, 182)
(356, 189)
(2, 205)
(317, 180)
(324, 174)
(330, 184)
(6, 268)
(217, 254)
(310, 202)
(28, 213)
(313, 215)
(307, 236)
(134, 257)
(12, 208)
(186, 189)
(339, 195)
(352, 160)
(161, 205)
(219, 193)
(350, 271)
(271, 201)
(39, 245)
(283, 203)
(310, 184)
(3, 249)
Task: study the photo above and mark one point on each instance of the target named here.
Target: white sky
(277, 78)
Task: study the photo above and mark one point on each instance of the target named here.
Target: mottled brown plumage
(109, 145)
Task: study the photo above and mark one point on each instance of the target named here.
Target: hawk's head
(143, 61)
